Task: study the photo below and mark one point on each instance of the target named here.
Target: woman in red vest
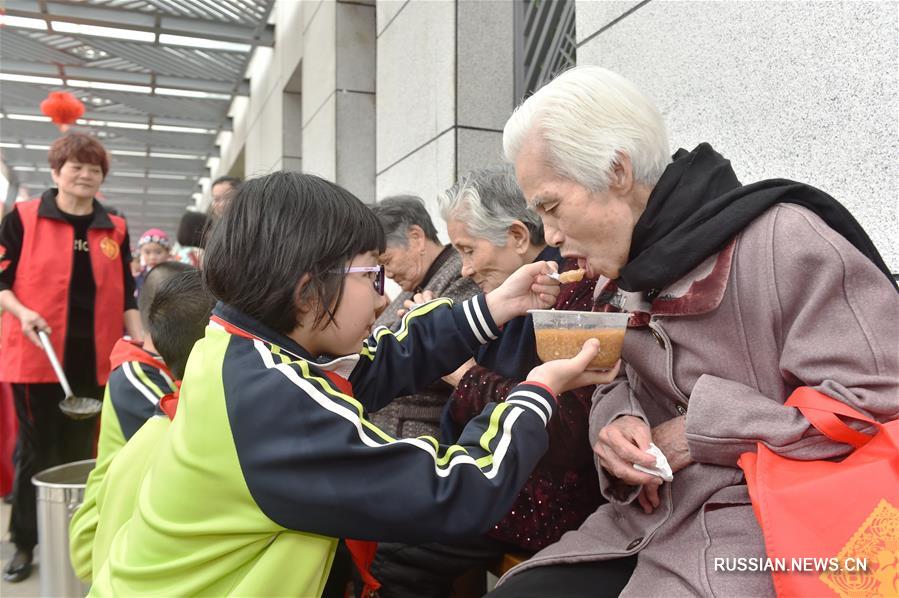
(63, 269)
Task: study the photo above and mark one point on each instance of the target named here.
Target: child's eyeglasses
(377, 282)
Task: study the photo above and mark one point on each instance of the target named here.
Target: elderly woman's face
(593, 227)
(482, 261)
(404, 264)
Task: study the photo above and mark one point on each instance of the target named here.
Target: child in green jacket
(272, 456)
(176, 320)
(138, 379)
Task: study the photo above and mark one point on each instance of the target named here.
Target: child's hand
(564, 374)
(529, 287)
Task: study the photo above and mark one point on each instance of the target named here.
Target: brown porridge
(562, 343)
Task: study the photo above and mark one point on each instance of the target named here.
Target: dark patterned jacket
(563, 489)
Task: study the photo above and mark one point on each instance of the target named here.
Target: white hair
(488, 201)
(587, 117)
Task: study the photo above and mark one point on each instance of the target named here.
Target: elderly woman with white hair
(495, 233)
(738, 296)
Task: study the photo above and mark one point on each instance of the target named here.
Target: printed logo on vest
(109, 248)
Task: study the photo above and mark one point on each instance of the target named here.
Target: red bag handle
(821, 411)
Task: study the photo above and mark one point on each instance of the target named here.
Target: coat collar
(445, 254)
(49, 209)
(237, 322)
(127, 350)
(697, 292)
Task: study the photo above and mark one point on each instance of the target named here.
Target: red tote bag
(831, 528)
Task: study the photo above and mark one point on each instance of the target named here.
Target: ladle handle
(51, 354)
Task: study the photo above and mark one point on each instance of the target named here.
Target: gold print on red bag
(876, 541)
(109, 248)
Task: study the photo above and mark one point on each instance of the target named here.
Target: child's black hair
(192, 228)
(178, 316)
(156, 276)
(278, 228)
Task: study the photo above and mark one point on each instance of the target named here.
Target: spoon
(74, 407)
(568, 276)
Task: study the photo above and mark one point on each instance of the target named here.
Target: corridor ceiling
(157, 78)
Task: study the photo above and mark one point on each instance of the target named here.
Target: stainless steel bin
(60, 490)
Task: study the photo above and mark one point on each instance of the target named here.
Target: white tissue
(661, 469)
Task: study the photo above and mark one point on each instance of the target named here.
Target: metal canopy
(157, 78)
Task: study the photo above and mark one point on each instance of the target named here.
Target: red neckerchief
(125, 350)
(362, 551)
(169, 403)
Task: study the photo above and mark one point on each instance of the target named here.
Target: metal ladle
(74, 407)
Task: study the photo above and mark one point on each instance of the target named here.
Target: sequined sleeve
(477, 387)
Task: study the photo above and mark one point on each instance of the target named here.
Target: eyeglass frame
(379, 281)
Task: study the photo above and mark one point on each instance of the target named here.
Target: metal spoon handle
(51, 354)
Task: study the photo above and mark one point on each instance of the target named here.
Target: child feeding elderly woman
(272, 457)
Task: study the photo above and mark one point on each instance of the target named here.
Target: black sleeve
(312, 462)
(125, 250)
(432, 340)
(135, 390)
(12, 234)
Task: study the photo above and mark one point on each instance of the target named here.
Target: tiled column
(338, 100)
(445, 88)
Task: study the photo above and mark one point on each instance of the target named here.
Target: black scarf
(698, 206)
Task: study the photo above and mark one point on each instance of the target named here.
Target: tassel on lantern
(63, 108)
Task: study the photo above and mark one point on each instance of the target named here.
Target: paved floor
(31, 586)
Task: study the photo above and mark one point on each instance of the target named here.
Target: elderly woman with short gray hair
(417, 261)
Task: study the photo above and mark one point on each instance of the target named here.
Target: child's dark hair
(278, 228)
(192, 228)
(178, 316)
(156, 276)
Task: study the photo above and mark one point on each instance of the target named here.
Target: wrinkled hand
(623, 443)
(417, 299)
(529, 287)
(456, 377)
(671, 438)
(564, 374)
(31, 323)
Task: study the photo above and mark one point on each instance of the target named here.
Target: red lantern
(63, 108)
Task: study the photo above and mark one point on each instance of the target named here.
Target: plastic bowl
(562, 334)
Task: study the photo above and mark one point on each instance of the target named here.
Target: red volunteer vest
(42, 282)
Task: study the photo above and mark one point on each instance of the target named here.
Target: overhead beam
(83, 14)
(191, 167)
(113, 149)
(99, 75)
(227, 125)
